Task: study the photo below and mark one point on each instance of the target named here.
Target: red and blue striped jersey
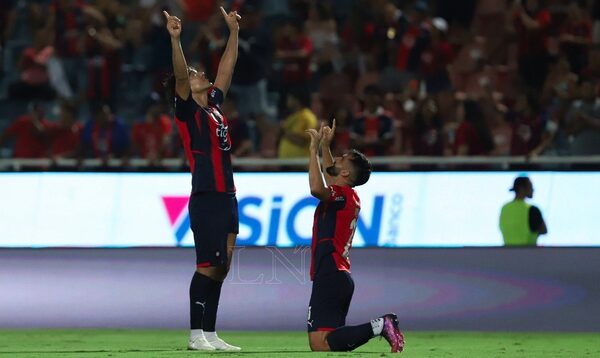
(204, 132)
(333, 230)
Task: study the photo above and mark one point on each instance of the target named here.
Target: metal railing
(250, 163)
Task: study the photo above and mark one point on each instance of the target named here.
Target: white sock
(377, 326)
(211, 336)
(195, 333)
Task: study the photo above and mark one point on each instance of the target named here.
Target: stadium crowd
(83, 78)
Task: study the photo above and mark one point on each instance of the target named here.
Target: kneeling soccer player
(333, 228)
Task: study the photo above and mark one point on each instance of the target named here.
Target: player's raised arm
(328, 133)
(318, 189)
(229, 58)
(180, 68)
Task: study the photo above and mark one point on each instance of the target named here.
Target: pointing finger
(223, 11)
(166, 14)
(333, 126)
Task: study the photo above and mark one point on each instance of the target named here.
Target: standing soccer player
(333, 229)
(213, 206)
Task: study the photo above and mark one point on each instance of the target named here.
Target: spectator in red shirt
(66, 134)
(30, 134)
(532, 22)
(372, 130)
(473, 136)
(150, 137)
(576, 36)
(34, 82)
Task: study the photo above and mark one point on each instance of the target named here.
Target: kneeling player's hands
(327, 135)
(315, 137)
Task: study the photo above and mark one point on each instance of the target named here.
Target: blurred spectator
(293, 52)
(150, 136)
(103, 58)
(342, 141)
(532, 21)
(576, 36)
(372, 130)
(473, 135)
(560, 83)
(65, 135)
(415, 39)
(436, 58)
(321, 28)
(239, 129)
(427, 136)
(250, 75)
(583, 120)
(66, 21)
(294, 141)
(34, 80)
(105, 136)
(30, 134)
(526, 125)
(208, 44)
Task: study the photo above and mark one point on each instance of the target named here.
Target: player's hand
(231, 19)
(173, 25)
(315, 137)
(327, 135)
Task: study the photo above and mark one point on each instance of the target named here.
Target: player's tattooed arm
(180, 68)
(318, 189)
(327, 138)
(229, 58)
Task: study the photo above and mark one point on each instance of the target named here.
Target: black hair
(169, 85)
(362, 167)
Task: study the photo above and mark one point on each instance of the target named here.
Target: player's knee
(318, 343)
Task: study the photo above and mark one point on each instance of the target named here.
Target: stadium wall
(535, 289)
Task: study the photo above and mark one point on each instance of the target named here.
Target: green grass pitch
(172, 343)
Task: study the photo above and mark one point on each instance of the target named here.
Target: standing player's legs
(214, 222)
(329, 305)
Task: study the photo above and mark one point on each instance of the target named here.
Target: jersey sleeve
(184, 108)
(215, 96)
(535, 219)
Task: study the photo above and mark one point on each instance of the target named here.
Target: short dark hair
(362, 167)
